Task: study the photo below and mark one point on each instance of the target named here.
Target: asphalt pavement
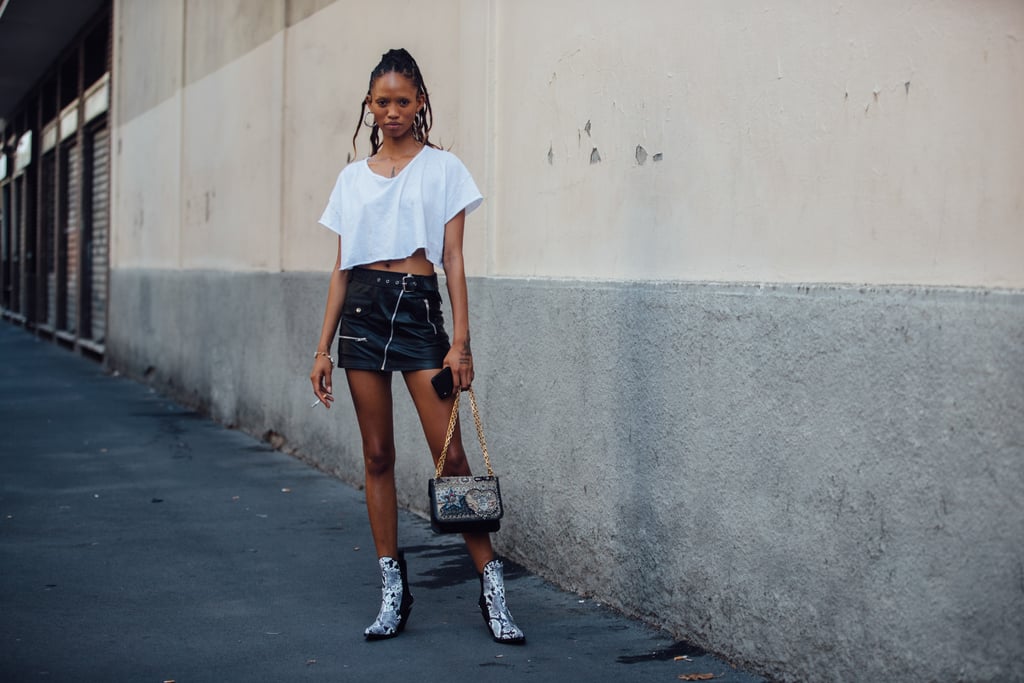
(141, 541)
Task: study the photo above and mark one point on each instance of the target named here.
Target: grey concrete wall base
(822, 482)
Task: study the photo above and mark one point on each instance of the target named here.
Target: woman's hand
(323, 368)
(323, 365)
(460, 360)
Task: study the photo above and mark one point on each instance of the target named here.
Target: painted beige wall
(198, 173)
(146, 119)
(146, 189)
(231, 164)
(802, 141)
(874, 143)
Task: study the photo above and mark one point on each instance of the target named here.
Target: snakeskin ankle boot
(492, 604)
(396, 600)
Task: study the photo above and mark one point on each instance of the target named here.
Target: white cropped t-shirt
(384, 219)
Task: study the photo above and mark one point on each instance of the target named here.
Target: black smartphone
(443, 383)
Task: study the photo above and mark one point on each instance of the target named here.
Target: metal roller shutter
(72, 190)
(46, 249)
(17, 226)
(99, 222)
(7, 247)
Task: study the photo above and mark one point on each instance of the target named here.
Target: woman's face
(393, 100)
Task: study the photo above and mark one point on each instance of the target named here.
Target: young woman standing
(399, 213)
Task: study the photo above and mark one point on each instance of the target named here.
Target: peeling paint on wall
(641, 155)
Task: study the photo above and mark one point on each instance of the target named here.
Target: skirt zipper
(426, 302)
(394, 314)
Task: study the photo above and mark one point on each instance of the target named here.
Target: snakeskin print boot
(492, 604)
(396, 600)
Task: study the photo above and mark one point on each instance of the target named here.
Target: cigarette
(314, 405)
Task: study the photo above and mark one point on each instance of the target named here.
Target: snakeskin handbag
(461, 504)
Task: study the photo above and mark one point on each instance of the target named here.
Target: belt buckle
(405, 287)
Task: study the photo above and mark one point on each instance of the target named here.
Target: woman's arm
(322, 365)
(460, 357)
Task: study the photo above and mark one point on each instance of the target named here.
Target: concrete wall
(819, 480)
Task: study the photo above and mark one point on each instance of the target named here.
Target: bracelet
(325, 354)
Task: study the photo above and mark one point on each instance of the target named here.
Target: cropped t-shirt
(384, 219)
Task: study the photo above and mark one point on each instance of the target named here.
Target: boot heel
(405, 608)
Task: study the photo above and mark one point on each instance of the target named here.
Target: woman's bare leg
(434, 415)
(371, 396)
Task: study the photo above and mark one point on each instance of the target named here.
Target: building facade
(55, 173)
(747, 289)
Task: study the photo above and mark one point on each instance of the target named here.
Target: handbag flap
(465, 498)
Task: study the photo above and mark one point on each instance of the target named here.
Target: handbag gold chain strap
(451, 430)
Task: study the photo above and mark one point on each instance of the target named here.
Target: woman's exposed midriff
(416, 264)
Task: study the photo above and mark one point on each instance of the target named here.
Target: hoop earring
(372, 122)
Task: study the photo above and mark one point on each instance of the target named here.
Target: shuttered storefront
(94, 279)
(6, 236)
(14, 268)
(71, 188)
(47, 243)
(55, 188)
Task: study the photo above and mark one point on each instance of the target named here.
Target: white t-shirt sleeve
(331, 217)
(461, 193)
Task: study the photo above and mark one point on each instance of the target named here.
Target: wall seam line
(182, 199)
(282, 131)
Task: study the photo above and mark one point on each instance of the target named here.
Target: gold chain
(451, 430)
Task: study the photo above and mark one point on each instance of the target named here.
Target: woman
(399, 213)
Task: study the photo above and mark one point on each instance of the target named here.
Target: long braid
(401, 62)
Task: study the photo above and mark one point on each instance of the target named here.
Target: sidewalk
(140, 541)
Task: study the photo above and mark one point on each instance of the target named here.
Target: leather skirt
(391, 322)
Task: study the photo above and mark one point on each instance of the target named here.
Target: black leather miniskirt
(391, 322)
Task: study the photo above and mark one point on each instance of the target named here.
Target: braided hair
(401, 62)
